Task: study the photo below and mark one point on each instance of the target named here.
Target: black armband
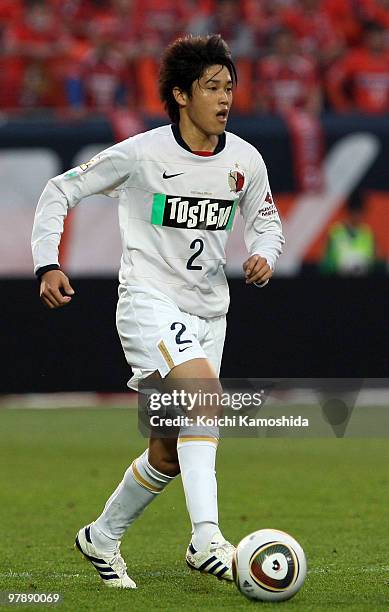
(41, 271)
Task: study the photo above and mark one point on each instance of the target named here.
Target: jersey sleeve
(263, 232)
(105, 174)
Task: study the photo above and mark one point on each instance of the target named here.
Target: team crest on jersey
(236, 180)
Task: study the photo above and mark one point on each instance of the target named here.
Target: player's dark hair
(184, 62)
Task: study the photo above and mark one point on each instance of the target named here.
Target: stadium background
(313, 96)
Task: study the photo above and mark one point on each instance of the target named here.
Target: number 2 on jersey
(196, 243)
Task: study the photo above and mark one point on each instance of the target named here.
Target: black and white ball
(269, 565)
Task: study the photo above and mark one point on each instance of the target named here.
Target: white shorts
(157, 335)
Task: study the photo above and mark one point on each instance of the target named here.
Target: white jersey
(176, 210)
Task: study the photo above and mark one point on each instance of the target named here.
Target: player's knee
(163, 456)
(167, 465)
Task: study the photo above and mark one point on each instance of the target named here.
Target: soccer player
(178, 188)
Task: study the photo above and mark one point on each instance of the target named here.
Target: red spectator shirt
(368, 75)
(102, 78)
(286, 84)
(314, 31)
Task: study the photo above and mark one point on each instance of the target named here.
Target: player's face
(211, 99)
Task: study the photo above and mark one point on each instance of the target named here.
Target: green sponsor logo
(192, 213)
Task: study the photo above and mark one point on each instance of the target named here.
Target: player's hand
(52, 282)
(257, 270)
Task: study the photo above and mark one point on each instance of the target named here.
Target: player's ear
(180, 96)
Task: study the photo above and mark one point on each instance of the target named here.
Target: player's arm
(263, 232)
(107, 172)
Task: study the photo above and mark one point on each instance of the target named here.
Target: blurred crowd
(83, 55)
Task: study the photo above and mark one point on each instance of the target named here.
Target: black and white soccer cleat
(111, 568)
(216, 559)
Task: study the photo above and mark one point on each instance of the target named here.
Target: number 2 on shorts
(182, 329)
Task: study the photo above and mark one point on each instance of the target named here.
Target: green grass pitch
(57, 467)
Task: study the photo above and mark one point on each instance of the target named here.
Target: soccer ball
(269, 565)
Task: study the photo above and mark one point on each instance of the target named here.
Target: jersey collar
(179, 139)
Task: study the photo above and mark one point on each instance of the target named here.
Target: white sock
(203, 533)
(197, 464)
(140, 485)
